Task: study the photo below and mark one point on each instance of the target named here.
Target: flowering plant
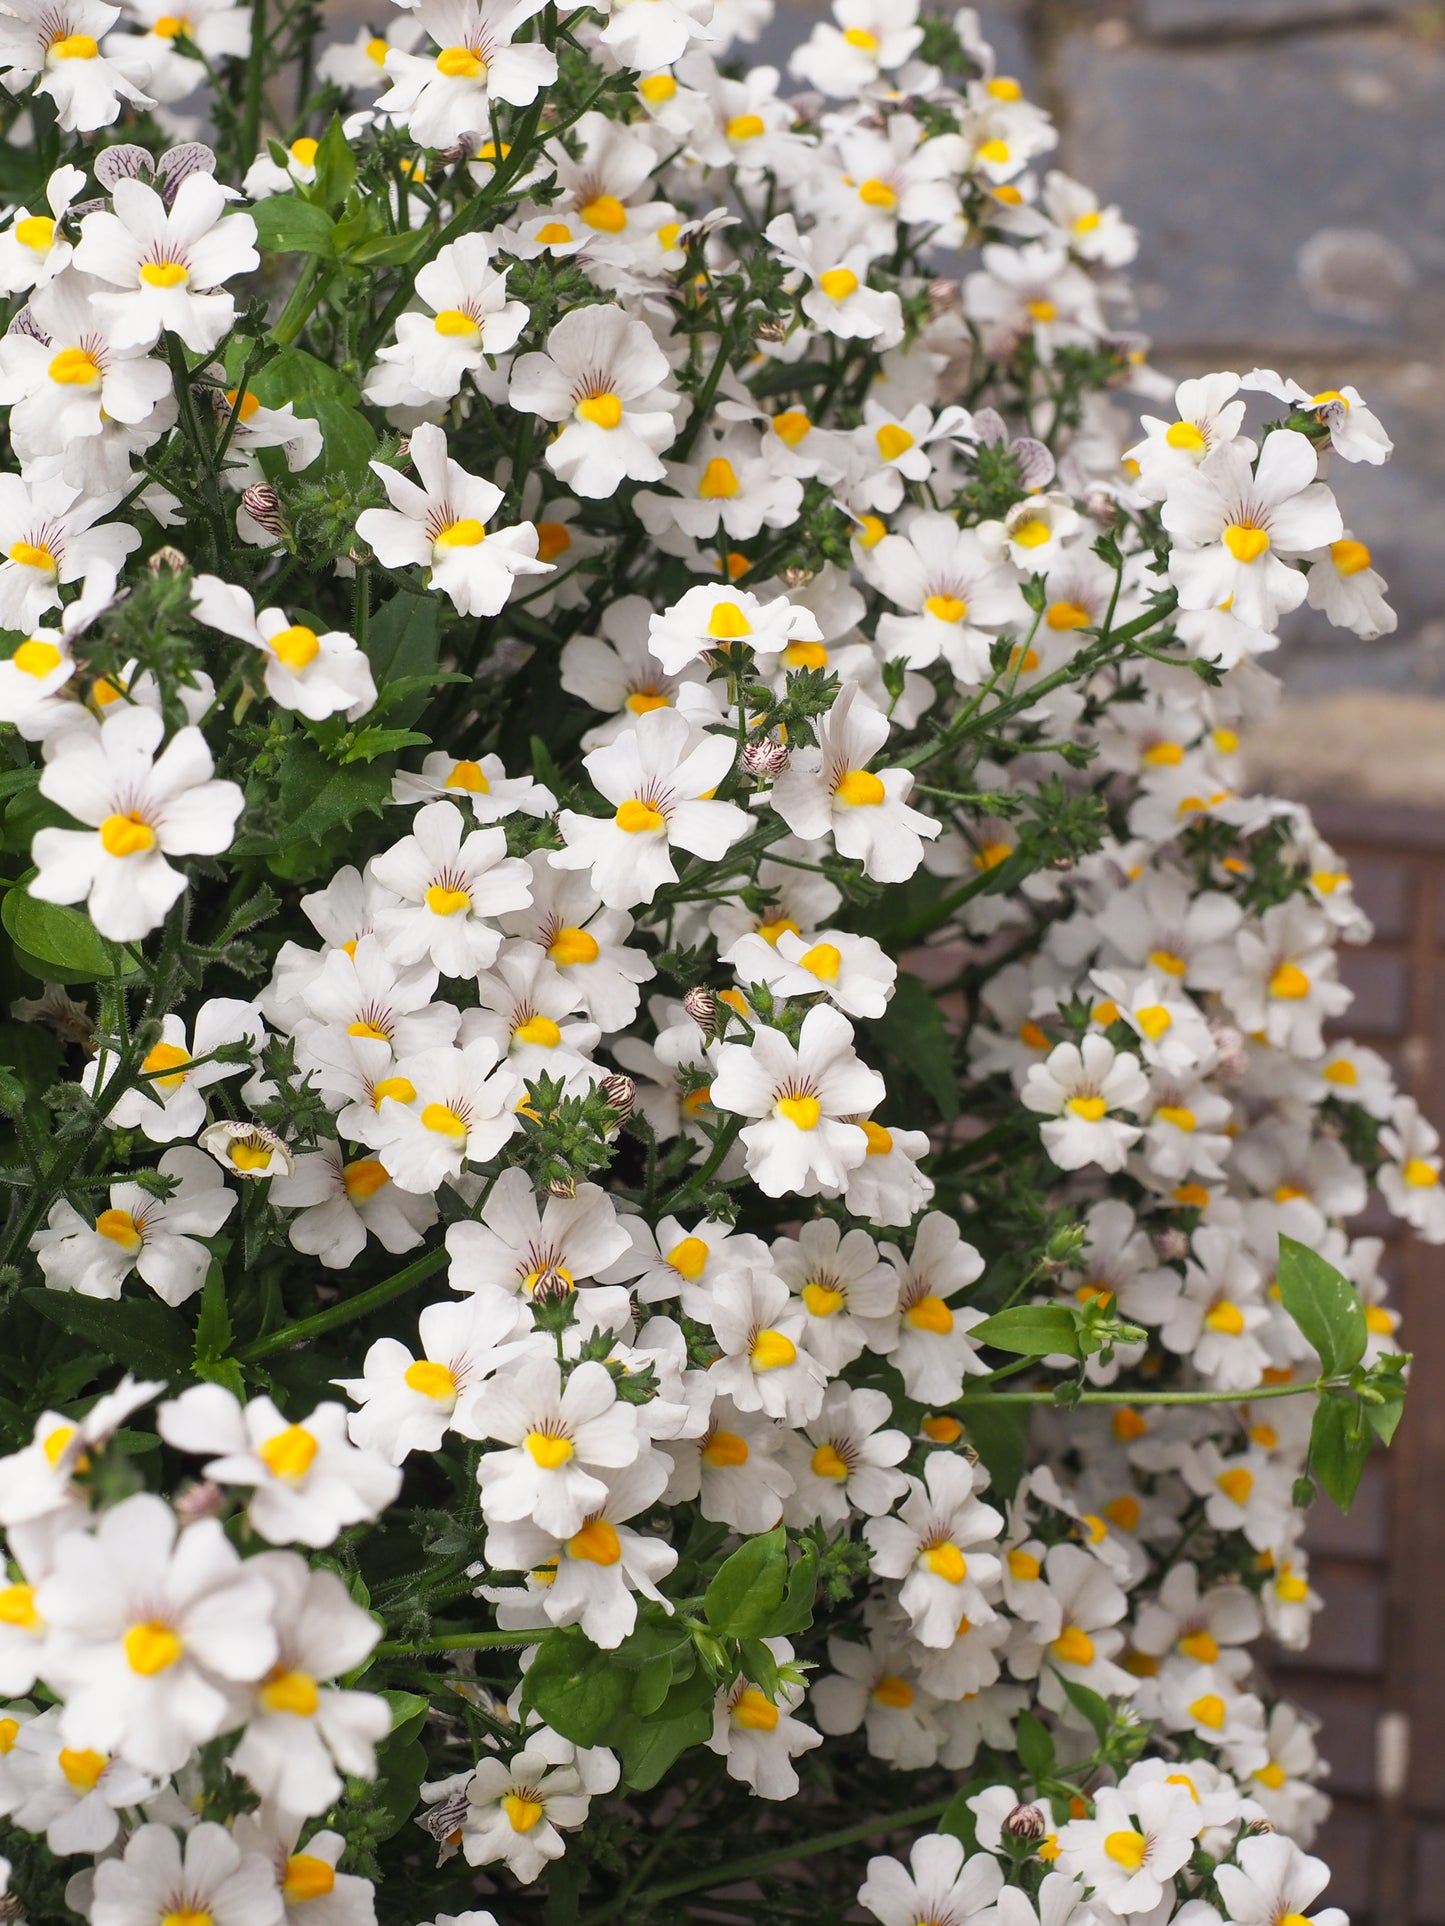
(671, 1136)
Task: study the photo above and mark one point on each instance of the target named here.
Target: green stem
(348, 1309)
(255, 64)
(1317, 1385)
(458, 1642)
(740, 1869)
(304, 296)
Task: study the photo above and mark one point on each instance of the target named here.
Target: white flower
(711, 619)
(59, 48)
(929, 1342)
(73, 1797)
(733, 1470)
(141, 809)
(759, 1737)
(515, 1244)
(957, 595)
(758, 1325)
(1132, 1847)
(831, 791)
(839, 300)
(936, 1547)
(513, 1812)
(450, 888)
(1284, 980)
(1351, 593)
(168, 262)
(1208, 416)
(1273, 1880)
(409, 1404)
(168, 1104)
(471, 321)
(1410, 1180)
(602, 376)
(215, 27)
(850, 1299)
(460, 1112)
(204, 1876)
(1079, 1085)
(442, 97)
(844, 1459)
(801, 1142)
(659, 776)
(489, 791)
(869, 40)
(247, 1150)
(300, 1728)
(317, 675)
(31, 251)
(441, 527)
(339, 1202)
(150, 1631)
(875, 1686)
(158, 1238)
(48, 539)
(939, 1885)
(851, 971)
(307, 1482)
(598, 1569)
(1232, 526)
(553, 1434)
(1356, 433)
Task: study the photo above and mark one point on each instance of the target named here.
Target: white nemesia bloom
(169, 263)
(317, 675)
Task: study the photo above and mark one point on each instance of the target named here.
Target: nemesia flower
(317, 675)
(801, 1099)
(156, 1237)
(168, 262)
(602, 377)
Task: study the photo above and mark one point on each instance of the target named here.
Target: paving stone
(1288, 191)
(1257, 16)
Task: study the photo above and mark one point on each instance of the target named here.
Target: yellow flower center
(638, 817)
(860, 38)
(1184, 435)
(188, 1916)
(725, 1449)
(17, 1607)
(1032, 533)
(606, 213)
(465, 533)
(432, 1380)
(1349, 557)
(719, 481)
(746, 127)
(1209, 1711)
(290, 1453)
(460, 63)
(468, 775)
(947, 1562)
(802, 1112)
(540, 1030)
(893, 441)
(37, 658)
(1236, 1484)
(548, 1450)
(75, 46)
(74, 368)
(838, 283)
(772, 1351)
(82, 1769)
(36, 231)
(1091, 1109)
(1127, 1849)
(689, 1258)
(307, 1877)
(1420, 1175)
(1289, 982)
(442, 901)
(657, 88)
(828, 1462)
(603, 411)
(293, 1692)
(295, 647)
(1202, 1646)
(1270, 1775)
(522, 1811)
(823, 1300)
(456, 322)
(860, 789)
(33, 555)
(399, 1089)
(754, 1713)
(792, 426)
(121, 1229)
(151, 1648)
(1245, 542)
(876, 193)
(930, 1314)
(880, 1139)
(558, 234)
(9, 1733)
(597, 1543)
(165, 274)
(1226, 1318)
(1023, 1566)
(570, 946)
(126, 836)
(553, 539)
(1073, 1646)
(1176, 1114)
(893, 1692)
(442, 1119)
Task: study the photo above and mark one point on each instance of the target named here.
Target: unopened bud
(1101, 508)
(167, 558)
(1026, 1824)
(773, 331)
(198, 1500)
(403, 448)
(263, 505)
(764, 759)
(551, 1287)
(701, 1006)
(359, 557)
(943, 294)
(562, 1186)
(11, 1906)
(796, 577)
(1256, 1827)
(1233, 1057)
(1170, 1245)
(619, 1093)
(461, 149)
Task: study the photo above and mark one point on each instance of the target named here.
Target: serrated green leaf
(1325, 1306)
(147, 1337)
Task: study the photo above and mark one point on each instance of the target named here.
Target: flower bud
(199, 1499)
(796, 577)
(1101, 508)
(263, 505)
(1233, 1057)
(551, 1287)
(1025, 1824)
(943, 294)
(1170, 1245)
(764, 759)
(562, 1186)
(701, 1006)
(167, 558)
(772, 331)
(619, 1093)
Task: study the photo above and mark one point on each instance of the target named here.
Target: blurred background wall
(1284, 161)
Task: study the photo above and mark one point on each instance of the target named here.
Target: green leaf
(1031, 1330)
(335, 166)
(293, 375)
(390, 1800)
(1339, 1446)
(1087, 1701)
(649, 1747)
(403, 639)
(371, 743)
(213, 1337)
(580, 1692)
(999, 1433)
(1035, 1747)
(1324, 1304)
(1385, 1418)
(387, 250)
(316, 796)
(957, 1819)
(408, 1715)
(749, 1588)
(64, 940)
(144, 1335)
(796, 1611)
(912, 1030)
(287, 225)
(348, 440)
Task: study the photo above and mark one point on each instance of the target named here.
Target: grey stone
(1184, 17)
(1290, 193)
